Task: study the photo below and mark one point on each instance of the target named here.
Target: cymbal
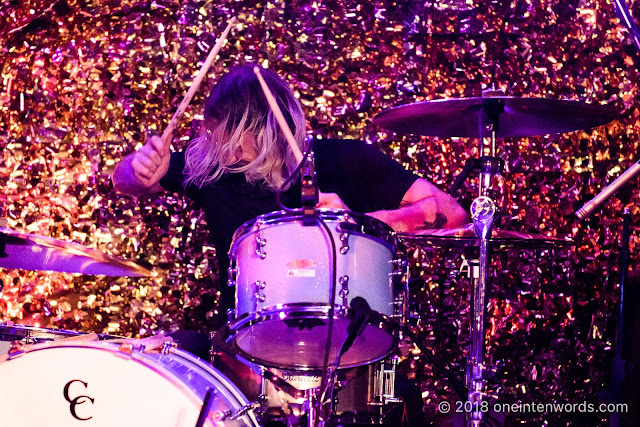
(516, 117)
(33, 252)
(465, 236)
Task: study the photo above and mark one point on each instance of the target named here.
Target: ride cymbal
(512, 117)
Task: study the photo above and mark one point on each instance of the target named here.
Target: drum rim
(305, 311)
(371, 227)
(51, 334)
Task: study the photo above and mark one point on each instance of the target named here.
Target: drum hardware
(232, 271)
(384, 388)
(344, 289)
(13, 337)
(16, 349)
(400, 283)
(260, 296)
(344, 239)
(143, 345)
(260, 243)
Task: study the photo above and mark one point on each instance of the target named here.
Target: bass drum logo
(78, 400)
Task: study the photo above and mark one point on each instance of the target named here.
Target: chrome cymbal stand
(483, 210)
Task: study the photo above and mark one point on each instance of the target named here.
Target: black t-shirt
(365, 179)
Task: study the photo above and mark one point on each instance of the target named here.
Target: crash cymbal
(516, 117)
(465, 236)
(33, 252)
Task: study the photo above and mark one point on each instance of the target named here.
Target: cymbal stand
(483, 210)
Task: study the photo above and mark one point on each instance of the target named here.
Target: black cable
(204, 410)
(327, 349)
(334, 267)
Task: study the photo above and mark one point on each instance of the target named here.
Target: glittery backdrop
(84, 82)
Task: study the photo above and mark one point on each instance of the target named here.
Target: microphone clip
(310, 193)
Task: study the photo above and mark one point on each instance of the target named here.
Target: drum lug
(344, 291)
(232, 272)
(166, 346)
(15, 350)
(400, 267)
(344, 239)
(260, 243)
(231, 314)
(259, 294)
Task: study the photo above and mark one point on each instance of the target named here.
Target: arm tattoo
(439, 222)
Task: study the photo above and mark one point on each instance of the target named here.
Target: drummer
(233, 169)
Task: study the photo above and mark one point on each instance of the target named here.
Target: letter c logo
(79, 400)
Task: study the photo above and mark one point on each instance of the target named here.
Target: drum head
(59, 384)
(297, 341)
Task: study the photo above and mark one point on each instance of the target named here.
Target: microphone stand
(592, 204)
(619, 363)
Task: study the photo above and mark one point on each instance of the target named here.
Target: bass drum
(104, 384)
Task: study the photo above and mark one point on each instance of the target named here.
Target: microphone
(359, 313)
(592, 204)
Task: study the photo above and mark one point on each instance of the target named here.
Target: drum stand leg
(318, 412)
(482, 211)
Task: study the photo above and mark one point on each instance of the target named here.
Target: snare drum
(68, 383)
(282, 271)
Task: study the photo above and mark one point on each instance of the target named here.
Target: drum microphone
(592, 204)
(359, 313)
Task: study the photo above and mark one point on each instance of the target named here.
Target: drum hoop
(364, 225)
(303, 311)
(154, 366)
(19, 332)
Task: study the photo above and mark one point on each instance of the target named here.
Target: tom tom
(282, 271)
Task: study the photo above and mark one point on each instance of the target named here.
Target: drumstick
(168, 132)
(279, 116)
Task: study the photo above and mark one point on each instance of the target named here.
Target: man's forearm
(429, 212)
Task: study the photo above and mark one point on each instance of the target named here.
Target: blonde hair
(237, 113)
